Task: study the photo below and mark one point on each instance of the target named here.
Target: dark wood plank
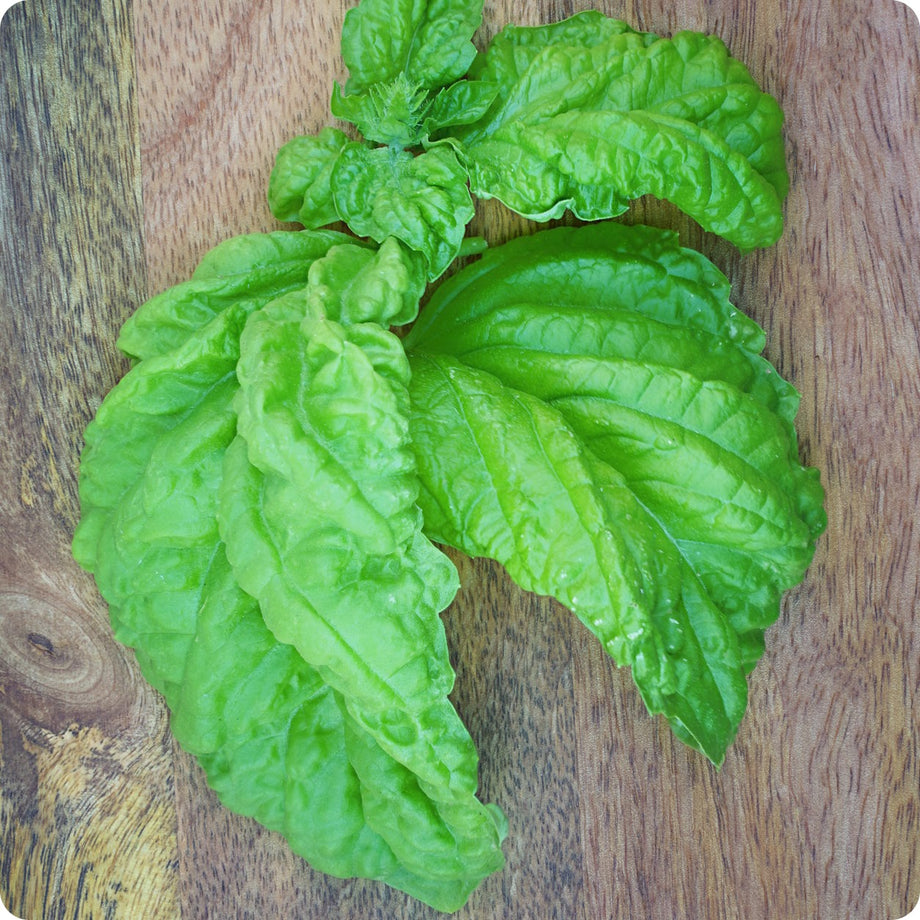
(87, 818)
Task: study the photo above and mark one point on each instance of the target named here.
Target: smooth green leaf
(298, 188)
(566, 524)
(605, 265)
(461, 103)
(647, 475)
(421, 200)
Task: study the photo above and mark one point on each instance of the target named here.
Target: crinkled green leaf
(321, 526)
(298, 188)
(426, 41)
(591, 114)
(264, 725)
(359, 285)
(386, 113)
(277, 744)
(277, 739)
(148, 507)
(148, 516)
(647, 472)
(244, 271)
(404, 114)
(421, 200)
(564, 65)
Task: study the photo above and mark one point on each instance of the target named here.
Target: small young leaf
(298, 188)
(385, 113)
(353, 284)
(427, 41)
(461, 103)
(402, 114)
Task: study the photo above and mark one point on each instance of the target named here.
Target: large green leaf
(319, 517)
(187, 343)
(320, 750)
(646, 473)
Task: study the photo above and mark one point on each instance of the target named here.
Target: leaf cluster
(263, 492)
(583, 115)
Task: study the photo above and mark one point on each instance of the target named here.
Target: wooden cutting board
(136, 136)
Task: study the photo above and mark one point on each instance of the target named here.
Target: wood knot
(58, 665)
(43, 643)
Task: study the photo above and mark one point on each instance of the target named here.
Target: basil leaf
(319, 518)
(421, 200)
(647, 475)
(460, 103)
(355, 285)
(567, 65)
(148, 522)
(607, 264)
(386, 113)
(152, 454)
(575, 161)
(298, 188)
(279, 741)
(426, 41)
(565, 524)
(402, 114)
(359, 524)
(591, 114)
(265, 727)
(244, 272)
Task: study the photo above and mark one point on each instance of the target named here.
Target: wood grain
(87, 816)
(136, 137)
